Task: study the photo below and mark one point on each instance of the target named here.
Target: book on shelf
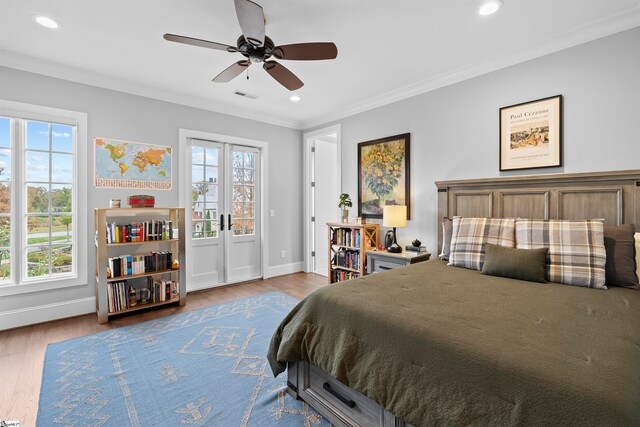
(128, 265)
(341, 275)
(411, 248)
(345, 237)
(143, 231)
(117, 293)
(162, 290)
(157, 290)
(347, 258)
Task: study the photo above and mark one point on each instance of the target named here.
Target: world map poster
(123, 164)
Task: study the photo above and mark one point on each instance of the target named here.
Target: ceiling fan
(254, 45)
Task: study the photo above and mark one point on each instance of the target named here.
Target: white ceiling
(387, 50)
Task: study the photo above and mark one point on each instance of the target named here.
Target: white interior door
(325, 199)
(224, 243)
(244, 250)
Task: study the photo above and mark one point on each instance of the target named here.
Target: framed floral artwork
(383, 175)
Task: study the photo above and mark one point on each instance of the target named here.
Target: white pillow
(637, 236)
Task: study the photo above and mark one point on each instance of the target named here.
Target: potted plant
(345, 202)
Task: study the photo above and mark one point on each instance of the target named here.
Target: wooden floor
(22, 350)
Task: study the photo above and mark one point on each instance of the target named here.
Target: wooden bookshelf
(347, 246)
(133, 276)
(106, 250)
(145, 306)
(146, 242)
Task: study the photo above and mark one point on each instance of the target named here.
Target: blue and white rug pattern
(205, 367)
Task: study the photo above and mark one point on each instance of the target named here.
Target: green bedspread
(440, 345)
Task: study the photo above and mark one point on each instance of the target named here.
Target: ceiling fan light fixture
(46, 22)
(256, 47)
(489, 7)
(294, 98)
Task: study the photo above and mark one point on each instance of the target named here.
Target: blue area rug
(205, 367)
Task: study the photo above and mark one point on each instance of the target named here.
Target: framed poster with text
(531, 134)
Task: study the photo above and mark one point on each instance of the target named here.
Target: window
(5, 200)
(223, 182)
(244, 169)
(204, 191)
(49, 193)
(42, 237)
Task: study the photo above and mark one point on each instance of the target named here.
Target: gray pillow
(447, 232)
(521, 264)
(619, 242)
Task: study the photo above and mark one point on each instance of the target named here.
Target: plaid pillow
(471, 234)
(576, 249)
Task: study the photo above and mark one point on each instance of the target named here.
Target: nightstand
(378, 261)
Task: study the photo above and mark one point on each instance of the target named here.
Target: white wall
(455, 132)
(118, 115)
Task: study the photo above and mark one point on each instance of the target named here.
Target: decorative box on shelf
(142, 201)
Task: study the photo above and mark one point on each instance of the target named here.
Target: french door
(224, 244)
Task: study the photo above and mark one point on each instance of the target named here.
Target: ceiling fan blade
(282, 75)
(306, 51)
(251, 19)
(232, 72)
(198, 42)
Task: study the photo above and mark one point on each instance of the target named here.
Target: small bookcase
(135, 252)
(347, 246)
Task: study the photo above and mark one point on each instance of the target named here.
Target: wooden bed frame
(614, 196)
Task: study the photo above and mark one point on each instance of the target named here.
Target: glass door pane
(243, 173)
(205, 182)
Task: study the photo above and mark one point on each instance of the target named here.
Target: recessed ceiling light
(45, 21)
(489, 7)
(294, 98)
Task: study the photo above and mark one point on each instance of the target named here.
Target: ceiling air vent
(244, 94)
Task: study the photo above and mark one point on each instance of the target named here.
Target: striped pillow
(471, 234)
(576, 249)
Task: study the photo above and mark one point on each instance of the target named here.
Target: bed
(432, 344)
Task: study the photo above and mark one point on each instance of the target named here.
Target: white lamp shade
(394, 216)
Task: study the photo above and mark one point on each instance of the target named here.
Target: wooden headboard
(614, 196)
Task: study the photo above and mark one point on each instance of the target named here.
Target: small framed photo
(531, 134)
(383, 175)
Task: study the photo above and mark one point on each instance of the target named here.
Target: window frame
(20, 283)
(11, 247)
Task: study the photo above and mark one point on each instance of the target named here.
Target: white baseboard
(282, 269)
(205, 286)
(46, 313)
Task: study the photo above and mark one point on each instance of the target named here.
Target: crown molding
(26, 63)
(623, 21)
(599, 29)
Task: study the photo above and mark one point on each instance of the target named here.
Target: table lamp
(394, 216)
